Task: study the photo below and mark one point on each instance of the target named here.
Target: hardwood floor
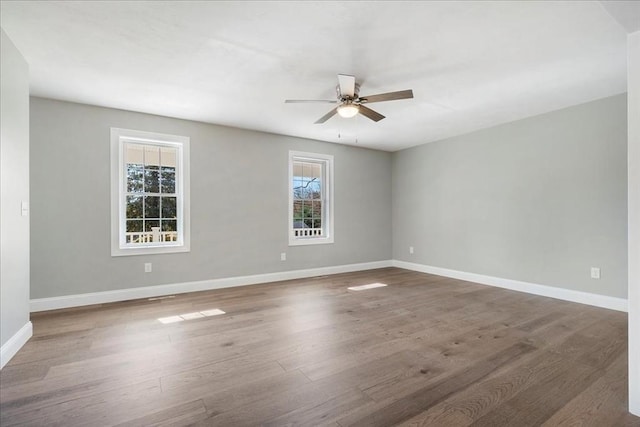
(423, 351)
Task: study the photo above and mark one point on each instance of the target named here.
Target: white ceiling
(471, 65)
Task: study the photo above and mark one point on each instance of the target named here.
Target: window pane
(315, 189)
(317, 223)
(298, 190)
(169, 207)
(151, 179)
(313, 170)
(134, 206)
(134, 225)
(308, 223)
(133, 153)
(168, 180)
(306, 209)
(169, 225)
(134, 178)
(316, 207)
(168, 156)
(297, 209)
(297, 169)
(152, 207)
(151, 155)
(308, 188)
(148, 225)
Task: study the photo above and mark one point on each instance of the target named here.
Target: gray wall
(14, 183)
(633, 85)
(239, 198)
(539, 200)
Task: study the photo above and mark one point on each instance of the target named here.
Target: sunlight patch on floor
(190, 316)
(364, 287)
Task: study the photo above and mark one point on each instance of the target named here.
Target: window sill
(150, 250)
(311, 241)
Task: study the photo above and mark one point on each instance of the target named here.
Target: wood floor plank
(246, 394)
(325, 413)
(410, 405)
(79, 408)
(425, 350)
(592, 407)
(182, 414)
(273, 405)
(548, 396)
(463, 408)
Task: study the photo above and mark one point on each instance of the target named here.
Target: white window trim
(118, 137)
(327, 200)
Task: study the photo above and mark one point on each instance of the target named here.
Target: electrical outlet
(595, 272)
(411, 249)
(283, 256)
(147, 267)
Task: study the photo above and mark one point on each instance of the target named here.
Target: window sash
(324, 233)
(299, 231)
(148, 239)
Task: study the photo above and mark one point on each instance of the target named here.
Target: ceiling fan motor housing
(343, 98)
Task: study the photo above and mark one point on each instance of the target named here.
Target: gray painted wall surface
(633, 85)
(14, 183)
(539, 200)
(239, 200)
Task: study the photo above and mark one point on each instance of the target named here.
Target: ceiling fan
(351, 103)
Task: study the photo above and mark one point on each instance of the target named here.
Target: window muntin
(310, 195)
(150, 193)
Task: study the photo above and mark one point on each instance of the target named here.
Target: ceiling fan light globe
(348, 110)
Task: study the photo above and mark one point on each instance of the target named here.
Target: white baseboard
(619, 304)
(42, 304)
(634, 408)
(15, 343)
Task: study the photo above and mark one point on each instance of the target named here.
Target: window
(310, 198)
(149, 193)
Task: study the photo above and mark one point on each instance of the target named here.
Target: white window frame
(327, 199)
(118, 192)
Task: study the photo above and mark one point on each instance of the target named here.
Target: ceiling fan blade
(310, 101)
(347, 85)
(326, 116)
(390, 96)
(370, 114)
